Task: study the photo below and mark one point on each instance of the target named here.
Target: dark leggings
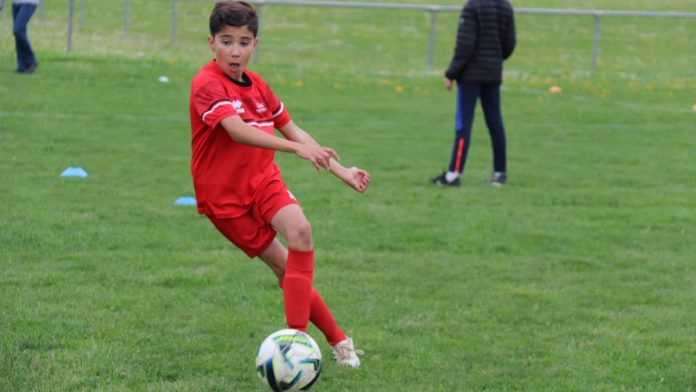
(21, 14)
(467, 95)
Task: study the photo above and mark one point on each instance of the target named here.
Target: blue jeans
(467, 95)
(21, 13)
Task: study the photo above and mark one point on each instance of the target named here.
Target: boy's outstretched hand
(357, 178)
(318, 155)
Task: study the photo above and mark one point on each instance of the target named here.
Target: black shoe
(441, 180)
(32, 68)
(498, 179)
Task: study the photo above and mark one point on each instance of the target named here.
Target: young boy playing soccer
(238, 185)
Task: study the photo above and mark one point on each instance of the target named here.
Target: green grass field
(580, 275)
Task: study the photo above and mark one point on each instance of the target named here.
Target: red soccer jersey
(226, 174)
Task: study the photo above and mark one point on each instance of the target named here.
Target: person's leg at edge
(490, 101)
(21, 14)
(467, 95)
(275, 256)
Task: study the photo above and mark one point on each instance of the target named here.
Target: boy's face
(233, 47)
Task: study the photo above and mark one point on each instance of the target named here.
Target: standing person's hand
(448, 84)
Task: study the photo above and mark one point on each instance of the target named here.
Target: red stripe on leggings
(460, 150)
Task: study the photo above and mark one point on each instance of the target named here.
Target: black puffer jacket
(485, 37)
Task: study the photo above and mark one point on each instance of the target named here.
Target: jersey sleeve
(280, 114)
(212, 103)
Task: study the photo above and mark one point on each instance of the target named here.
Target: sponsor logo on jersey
(260, 107)
(237, 105)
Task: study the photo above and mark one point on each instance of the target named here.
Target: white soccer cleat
(345, 353)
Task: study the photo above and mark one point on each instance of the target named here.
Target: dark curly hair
(233, 13)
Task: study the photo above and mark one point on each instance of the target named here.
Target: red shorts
(252, 232)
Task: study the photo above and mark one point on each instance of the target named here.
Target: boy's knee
(300, 235)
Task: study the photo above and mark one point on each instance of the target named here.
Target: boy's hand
(357, 179)
(318, 155)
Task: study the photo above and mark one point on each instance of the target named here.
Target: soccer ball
(288, 360)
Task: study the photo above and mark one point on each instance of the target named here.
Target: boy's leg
(291, 223)
(490, 101)
(320, 315)
(301, 301)
(275, 257)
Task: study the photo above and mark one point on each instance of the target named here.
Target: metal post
(71, 12)
(595, 43)
(126, 12)
(431, 43)
(173, 22)
(82, 14)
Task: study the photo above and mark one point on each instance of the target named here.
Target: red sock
(297, 288)
(320, 315)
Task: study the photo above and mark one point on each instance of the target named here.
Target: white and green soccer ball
(288, 360)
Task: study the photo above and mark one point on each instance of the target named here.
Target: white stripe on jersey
(280, 110)
(217, 105)
(260, 124)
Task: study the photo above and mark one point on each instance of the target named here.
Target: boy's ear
(210, 42)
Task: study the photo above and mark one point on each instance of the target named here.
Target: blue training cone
(74, 171)
(185, 201)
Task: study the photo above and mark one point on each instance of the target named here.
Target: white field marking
(86, 116)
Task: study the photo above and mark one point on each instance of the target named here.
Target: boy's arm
(354, 177)
(243, 133)
(292, 132)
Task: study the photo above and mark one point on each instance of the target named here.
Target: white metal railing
(433, 10)
(71, 13)
(597, 14)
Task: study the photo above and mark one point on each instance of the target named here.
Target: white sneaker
(345, 353)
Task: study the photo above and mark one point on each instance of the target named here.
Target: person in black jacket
(485, 38)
